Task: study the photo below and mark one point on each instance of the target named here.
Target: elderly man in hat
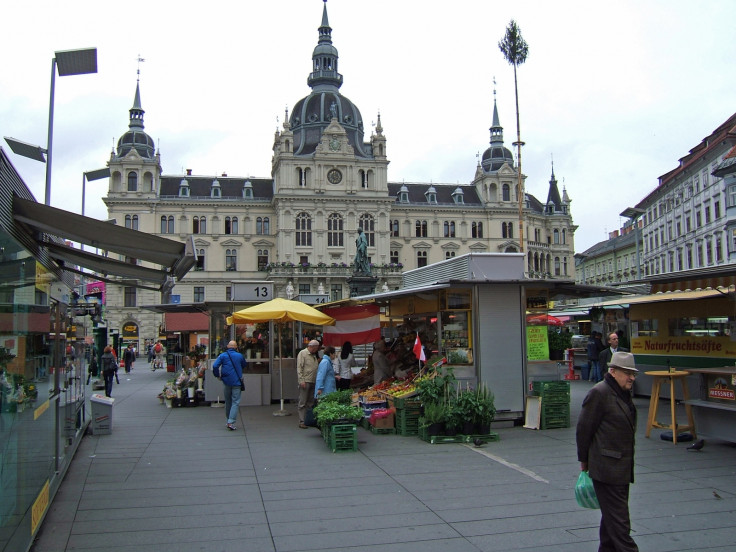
(307, 363)
(605, 442)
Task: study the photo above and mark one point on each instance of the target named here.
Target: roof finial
(552, 157)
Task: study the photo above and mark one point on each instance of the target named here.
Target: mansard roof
(230, 187)
(444, 193)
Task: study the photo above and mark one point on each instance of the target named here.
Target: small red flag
(419, 350)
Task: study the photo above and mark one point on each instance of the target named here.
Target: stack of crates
(407, 416)
(342, 438)
(555, 403)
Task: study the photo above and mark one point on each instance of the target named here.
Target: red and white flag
(419, 350)
(358, 325)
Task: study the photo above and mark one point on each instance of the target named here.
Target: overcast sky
(615, 92)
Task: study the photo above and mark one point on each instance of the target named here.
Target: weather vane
(138, 71)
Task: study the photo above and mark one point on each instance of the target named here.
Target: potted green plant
(435, 389)
(433, 418)
(486, 410)
(468, 411)
(454, 418)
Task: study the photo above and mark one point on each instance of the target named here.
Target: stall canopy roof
(662, 297)
(175, 258)
(557, 288)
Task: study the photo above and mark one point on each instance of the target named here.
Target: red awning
(186, 321)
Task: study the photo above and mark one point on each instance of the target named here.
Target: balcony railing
(342, 269)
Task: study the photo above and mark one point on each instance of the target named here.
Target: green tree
(515, 49)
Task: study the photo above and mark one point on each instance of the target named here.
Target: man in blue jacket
(605, 442)
(229, 367)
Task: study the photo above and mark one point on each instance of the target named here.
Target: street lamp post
(68, 62)
(90, 176)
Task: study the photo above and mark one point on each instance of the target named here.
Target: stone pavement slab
(177, 479)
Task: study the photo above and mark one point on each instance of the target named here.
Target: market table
(660, 377)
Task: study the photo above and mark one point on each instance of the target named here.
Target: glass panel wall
(41, 393)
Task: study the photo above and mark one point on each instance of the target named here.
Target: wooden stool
(659, 378)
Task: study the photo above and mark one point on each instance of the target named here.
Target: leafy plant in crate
(433, 418)
(331, 412)
(436, 387)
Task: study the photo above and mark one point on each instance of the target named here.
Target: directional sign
(314, 298)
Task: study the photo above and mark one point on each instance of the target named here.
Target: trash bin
(585, 371)
(101, 414)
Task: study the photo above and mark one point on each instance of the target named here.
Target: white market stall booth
(471, 310)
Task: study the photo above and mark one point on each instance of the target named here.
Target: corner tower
(135, 166)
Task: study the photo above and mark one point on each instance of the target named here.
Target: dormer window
(248, 190)
(184, 188)
(404, 194)
(458, 196)
(215, 190)
(431, 195)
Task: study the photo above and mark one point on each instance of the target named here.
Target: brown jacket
(605, 435)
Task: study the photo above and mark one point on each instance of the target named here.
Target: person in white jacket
(346, 360)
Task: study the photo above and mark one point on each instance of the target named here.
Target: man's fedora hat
(625, 361)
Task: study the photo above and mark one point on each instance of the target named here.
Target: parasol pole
(281, 412)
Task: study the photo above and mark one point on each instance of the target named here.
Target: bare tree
(515, 49)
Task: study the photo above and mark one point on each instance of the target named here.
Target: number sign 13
(252, 291)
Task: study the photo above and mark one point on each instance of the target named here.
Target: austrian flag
(419, 350)
(359, 324)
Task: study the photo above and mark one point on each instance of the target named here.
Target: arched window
(303, 230)
(449, 228)
(564, 236)
(421, 229)
(366, 224)
(511, 229)
(231, 260)
(231, 225)
(199, 225)
(394, 257)
(504, 230)
(556, 236)
(506, 191)
(557, 266)
(132, 181)
(476, 230)
(131, 221)
(262, 259)
(421, 259)
(335, 230)
(394, 228)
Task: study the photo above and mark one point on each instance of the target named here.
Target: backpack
(157, 348)
(108, 363)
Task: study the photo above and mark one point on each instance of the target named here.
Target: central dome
(311, 115)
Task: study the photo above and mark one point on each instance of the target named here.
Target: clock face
(335, 144)
(334, 176)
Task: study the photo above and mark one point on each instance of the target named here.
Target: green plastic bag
(585, 492)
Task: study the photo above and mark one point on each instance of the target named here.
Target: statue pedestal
(361, 285)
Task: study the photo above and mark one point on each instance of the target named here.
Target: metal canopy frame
(176, 258)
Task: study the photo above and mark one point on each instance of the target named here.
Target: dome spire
(136, 112)
(324, 73)
(496, 128)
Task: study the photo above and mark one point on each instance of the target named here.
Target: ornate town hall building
(297, 227)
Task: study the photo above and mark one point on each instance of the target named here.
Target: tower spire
(324, 73)
(496, 128)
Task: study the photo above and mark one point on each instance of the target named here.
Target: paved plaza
(177, 479)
